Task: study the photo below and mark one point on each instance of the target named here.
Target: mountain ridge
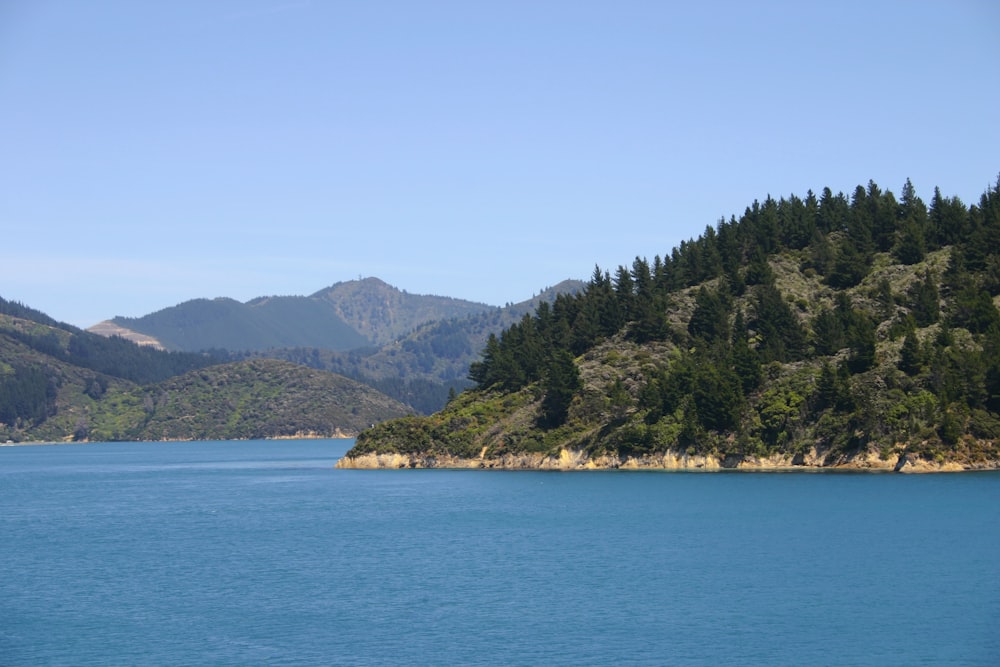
(353, 314)
(429, 341)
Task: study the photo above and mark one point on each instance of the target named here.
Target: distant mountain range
(345, 316)
(415, 348)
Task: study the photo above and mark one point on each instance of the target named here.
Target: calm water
(262, 553)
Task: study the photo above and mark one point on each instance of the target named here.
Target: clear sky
(155, 152)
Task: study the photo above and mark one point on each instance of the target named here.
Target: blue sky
(151, 153)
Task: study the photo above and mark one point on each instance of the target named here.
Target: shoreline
(313, 436)
(569, 461)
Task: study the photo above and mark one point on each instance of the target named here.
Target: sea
(262, 553)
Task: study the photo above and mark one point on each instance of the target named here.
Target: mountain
(383, 313)
(442, 349)
(414, 348)
(262, 323)
(345, 316)
(60, 383)
(824, 331)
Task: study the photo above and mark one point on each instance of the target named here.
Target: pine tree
(828, 333)
(782, 337)
(560, 384)
(710, 320)
(861, 338)
(910, 357)
(910, 247)
(924, 301)
(746, 361)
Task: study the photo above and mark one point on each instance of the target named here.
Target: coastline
(338, 435)
(572, 460)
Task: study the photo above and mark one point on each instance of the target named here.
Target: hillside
(818, 331)
(419, 368)
(422, 367)
(346, 316)
(383, 313)
(60, 383)
(263, 398)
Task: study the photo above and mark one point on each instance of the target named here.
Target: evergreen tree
(560, 383)
(924, 300)
(746, 361)
(710, 320)
(973, 309)
(828, 333)
(910, 247)
(910, 357)
(758, 271)
(717, 397)
(650, 320)
(861, 338)
(850, 266)
(782, 337)
(834, 212)
(948, 220)
(911, 224)
(821, 254)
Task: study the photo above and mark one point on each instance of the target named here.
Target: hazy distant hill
(383, 313)
(60, 383)
(259, 324)
(415, 348)
(345, 316)
(424, 366)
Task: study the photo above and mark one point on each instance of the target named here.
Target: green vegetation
(59, 383)
(414, 348)
(830, 326)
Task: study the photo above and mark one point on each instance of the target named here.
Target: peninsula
(820, 332)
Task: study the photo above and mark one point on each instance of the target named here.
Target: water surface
(261, 552)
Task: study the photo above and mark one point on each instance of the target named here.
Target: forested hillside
(820, 329)
(59, 383)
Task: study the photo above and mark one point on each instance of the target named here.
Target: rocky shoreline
(569, 460)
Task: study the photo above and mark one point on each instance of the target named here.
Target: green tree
(717, 397)
(710, 320)
(925, 301)
(850, 266)
(948, 220)
(782, 337)
(910, 356)
(973, 309)
(746, 361)
(861, 338)
(560, 384)
(821, 255)
(910, 247)
(828, 332)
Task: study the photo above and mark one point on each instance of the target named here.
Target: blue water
(262, 553)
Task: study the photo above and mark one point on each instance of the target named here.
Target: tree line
(742, 322)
